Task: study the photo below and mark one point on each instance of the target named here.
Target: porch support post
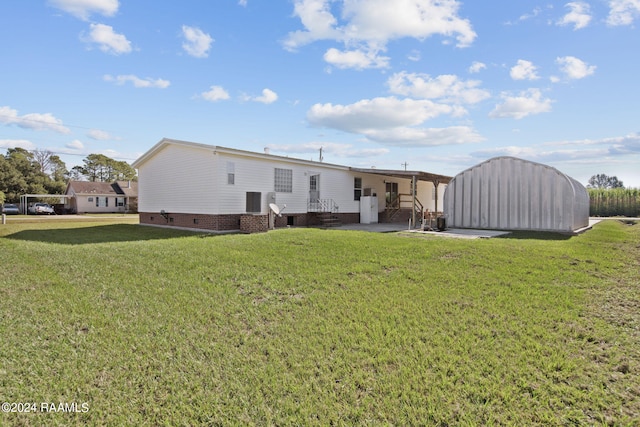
(436, 183)
(413, 193)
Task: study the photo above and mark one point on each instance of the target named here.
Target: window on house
(253, 202)
(231, 173)
(102, 202)
(120, 202)
(357, 188)
(283, 180)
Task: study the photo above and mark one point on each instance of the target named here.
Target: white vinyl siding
(190, 178)
(231, 173)
(180, 179)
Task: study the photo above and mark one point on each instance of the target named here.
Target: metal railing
(322, 205)
(404, 201)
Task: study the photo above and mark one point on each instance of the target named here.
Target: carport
(24, 199)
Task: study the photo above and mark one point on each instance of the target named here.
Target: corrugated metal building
(506, 193)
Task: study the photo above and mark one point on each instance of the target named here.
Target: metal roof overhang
(24, 199)
(420, 176)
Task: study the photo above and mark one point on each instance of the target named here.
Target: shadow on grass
(535, 235)
(98, 234)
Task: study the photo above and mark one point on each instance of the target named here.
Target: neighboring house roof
(103, 188)
(128, 188)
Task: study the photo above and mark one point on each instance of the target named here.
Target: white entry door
(314, 188)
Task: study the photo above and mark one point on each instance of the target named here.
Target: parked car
(41, 208)
(10, 209)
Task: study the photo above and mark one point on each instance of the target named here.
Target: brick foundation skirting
(254, 223)
(242, 222)
(198, 221)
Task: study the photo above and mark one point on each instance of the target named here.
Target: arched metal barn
(506, 193)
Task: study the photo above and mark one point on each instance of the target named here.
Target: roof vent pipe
(266, 150)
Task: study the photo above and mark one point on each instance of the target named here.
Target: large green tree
(53, 167)
(20, 174)
(604, 181)
(42, 172)
(98, 167)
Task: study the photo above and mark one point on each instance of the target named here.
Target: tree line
(608, 197)
(42, 172)
(614, 202)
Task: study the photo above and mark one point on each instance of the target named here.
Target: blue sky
(438, 85)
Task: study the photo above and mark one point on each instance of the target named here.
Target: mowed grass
(319, 327)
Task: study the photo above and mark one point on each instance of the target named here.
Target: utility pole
(405, 165)
(321, 158)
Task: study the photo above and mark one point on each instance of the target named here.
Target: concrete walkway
(452, 232)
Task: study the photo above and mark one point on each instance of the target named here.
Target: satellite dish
(274, 208)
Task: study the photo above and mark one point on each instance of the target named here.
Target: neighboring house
(192, 185)
(105, 197)
(506, 193)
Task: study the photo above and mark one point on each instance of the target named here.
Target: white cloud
(318, 21)
(476, 67)
(579, 15)
(391, 121)
(524, 70)
(17, 143)
(623, 12)
(426, 137)
(534, 13)
(414, 55)
(619, 145)
(537, 154)
(377, 113)
(329, 148)
(575, 68)
(107, 40)
(100, 135)
(242, 3)
(215, 93)
(75, 145)
(268, 97)
(197, 42)
(137, 81)
(356, 59)
(370, 25)
(447, 87)
(525, 104)
(33, 121)
(83, 9)
(565, 151)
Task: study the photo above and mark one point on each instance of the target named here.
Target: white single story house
(507, 193)
(101, 197)
(193, 185)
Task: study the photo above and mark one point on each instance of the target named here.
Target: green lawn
(152, 326)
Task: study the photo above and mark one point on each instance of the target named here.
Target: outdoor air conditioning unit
(366, 192)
